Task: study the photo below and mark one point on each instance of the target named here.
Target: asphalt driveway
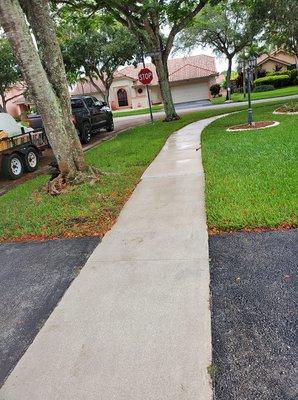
(33, 278)
(254, 315)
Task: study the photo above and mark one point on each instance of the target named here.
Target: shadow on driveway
(33, 278)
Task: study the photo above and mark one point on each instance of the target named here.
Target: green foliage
(279, 19)
(227, 28)
(9, 70)
(215, 89)
(281, 72)
(294, 77)
(277, 81)
(263, 88)
(95, 49)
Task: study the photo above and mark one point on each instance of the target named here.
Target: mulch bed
(254, 125)
(285, 110)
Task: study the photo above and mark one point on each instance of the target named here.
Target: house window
(122, 98)
(140, 90)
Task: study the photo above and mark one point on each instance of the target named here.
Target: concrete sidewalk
(135, 324)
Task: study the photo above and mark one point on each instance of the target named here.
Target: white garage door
(190, 92)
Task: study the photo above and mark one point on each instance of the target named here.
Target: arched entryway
(122, 98)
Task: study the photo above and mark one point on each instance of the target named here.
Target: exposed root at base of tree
(60, 184)
(172, 118)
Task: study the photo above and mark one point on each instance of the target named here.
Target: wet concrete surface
(254, 315)
(33, 278)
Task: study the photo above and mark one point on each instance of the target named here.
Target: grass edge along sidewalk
(28, 213)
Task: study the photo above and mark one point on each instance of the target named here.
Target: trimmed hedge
(277, 81)
(281, 72)
(263, 88)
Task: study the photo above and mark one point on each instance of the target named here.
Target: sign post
(145, 77)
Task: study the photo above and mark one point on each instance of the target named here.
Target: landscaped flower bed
(253, 126)
(289, 109)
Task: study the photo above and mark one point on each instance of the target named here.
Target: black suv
(89, 115)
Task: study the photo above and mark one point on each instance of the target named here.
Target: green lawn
(140, 111)
(251, 177)
(27, 212)
(287, 91)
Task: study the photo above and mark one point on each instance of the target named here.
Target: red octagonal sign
(145, 76)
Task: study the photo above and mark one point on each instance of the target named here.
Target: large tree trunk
(161, 66)
(228, 78)
(47, 82)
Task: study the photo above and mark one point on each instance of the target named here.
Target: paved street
(33, 278)
(254, 315)
(135, 323)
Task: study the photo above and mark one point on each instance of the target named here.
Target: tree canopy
(148, 20)
(96, 52)
(227, 28)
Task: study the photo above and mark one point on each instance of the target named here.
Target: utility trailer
(21, 151)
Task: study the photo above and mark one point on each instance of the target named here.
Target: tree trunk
(47, 83)
(3, 102)
(228, 78)
(161, 66)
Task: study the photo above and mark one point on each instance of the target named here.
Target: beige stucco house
(276, 60)
(190, 80)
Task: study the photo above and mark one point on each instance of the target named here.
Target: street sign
(145, 76)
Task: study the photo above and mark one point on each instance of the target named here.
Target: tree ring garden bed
(253, 126)
(287, 109)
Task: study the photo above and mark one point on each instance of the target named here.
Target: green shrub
(281, 72)
(264, 88)
(215, 89)
(294, 76)
(277, 81)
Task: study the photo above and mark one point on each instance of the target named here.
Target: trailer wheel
(12, 166)
(31, 159)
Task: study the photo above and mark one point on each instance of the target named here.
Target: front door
(122, 98)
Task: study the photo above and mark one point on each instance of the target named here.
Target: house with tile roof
(276, 60)
(190, 80)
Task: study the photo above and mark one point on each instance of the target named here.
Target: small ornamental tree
(9, 71)
(97, 53)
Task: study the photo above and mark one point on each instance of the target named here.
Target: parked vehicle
(20, 147)
(89, 115)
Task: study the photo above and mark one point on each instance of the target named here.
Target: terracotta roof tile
(180, 69)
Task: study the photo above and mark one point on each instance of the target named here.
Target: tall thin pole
(148, 93)
(249, 111)
(244, 80)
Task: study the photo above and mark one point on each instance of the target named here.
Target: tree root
(172, 118)
(61, 184)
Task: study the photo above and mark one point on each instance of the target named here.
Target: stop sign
(145, 76)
